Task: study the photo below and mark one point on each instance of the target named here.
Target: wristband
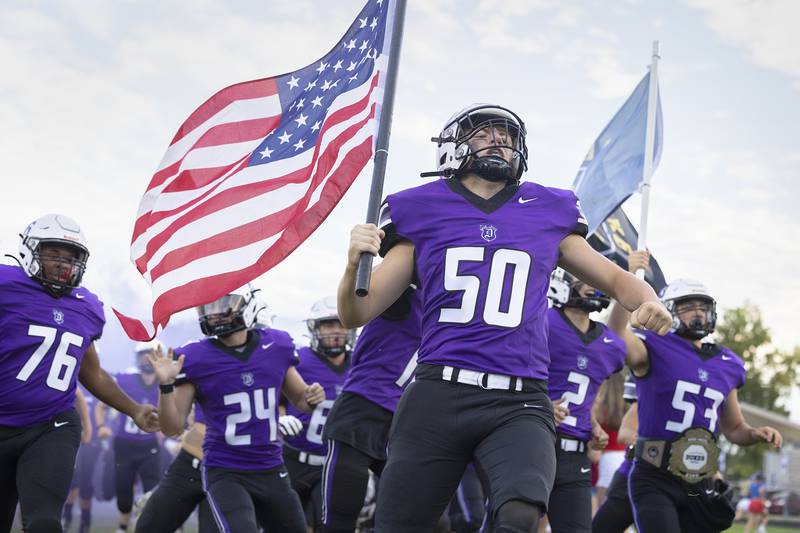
(166, 389)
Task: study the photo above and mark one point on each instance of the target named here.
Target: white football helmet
(324, 310)
(565, 291)
(53, 229)
(454, 155)
(689, 289)
(237, 310)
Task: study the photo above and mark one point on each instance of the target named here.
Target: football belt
(692, 457)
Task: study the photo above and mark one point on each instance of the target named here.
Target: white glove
(290, 426)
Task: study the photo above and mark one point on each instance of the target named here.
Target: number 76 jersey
(684, 387)
(42, 342)
(484, 268)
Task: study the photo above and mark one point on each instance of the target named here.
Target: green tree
(771, 374)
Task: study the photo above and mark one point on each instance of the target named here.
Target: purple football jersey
(134, 386)
(238, 393)
(484, 267)
(315, 368)
(579, 364)
(684, 387)
(385, 356)
(42, 342)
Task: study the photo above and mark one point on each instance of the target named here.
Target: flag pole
(649, 145)
(364, 271)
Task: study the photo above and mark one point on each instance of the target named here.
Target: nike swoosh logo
(531, 405)
(607, 340)
(585, 470)
(79, 296)
(283, 474)
(265, 346)
(59, 424)
(526, 200)
(711, 491)
(726, 358)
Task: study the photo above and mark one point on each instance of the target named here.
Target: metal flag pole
(649, 146)
(364, 271)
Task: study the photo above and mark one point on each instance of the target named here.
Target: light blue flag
(612, 170)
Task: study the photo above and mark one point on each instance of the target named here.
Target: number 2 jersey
(238, 392)
(684, 387)
(484, 268)
(42, 342)
(315, 368)
(579, 364)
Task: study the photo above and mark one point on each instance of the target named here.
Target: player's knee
(44, 525)
(517, 517)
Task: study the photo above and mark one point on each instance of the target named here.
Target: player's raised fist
(652, 316)
(364, 238)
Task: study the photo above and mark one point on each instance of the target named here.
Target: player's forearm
(105, 389)
(742, 435)
(353, 310)
(169, 417)
(631, 292)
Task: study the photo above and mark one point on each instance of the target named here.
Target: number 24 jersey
(239, 393)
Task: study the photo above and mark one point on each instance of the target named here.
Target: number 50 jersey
(42, 342)
(484, 268)
(238, 393)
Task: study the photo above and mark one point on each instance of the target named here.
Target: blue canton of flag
(306, 94)
(612, 170)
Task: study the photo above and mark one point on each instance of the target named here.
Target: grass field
(739, 528)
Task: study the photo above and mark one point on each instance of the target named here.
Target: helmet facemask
(474, 140)
(698, 327)
(57, 272)
(330, 344)
(568, 291)
(224, 316)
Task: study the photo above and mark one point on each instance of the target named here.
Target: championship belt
(693, 456)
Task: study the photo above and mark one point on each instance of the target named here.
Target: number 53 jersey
(684, 387)
(238, 392)
(42, 342)
(484, 268)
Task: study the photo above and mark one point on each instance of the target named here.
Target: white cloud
(767, 30)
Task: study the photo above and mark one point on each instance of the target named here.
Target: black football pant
(344, 488)
(439, 427)
(241, 500)
(132, 458)
(36, 467)
(615, 515)
(570, 508)
(175, 497)
(663, 504)
(307, 483)
(469, 504)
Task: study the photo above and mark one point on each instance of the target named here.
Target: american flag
(256, 169)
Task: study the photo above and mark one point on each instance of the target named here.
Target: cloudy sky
(92, 92)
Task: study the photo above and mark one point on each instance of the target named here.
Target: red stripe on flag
(234, 132)
(145, 221)
(209, 108)
(238, 194)
(207, 289)
(262, 228)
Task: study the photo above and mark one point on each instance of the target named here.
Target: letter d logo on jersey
(488, 232)
(248, 379)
